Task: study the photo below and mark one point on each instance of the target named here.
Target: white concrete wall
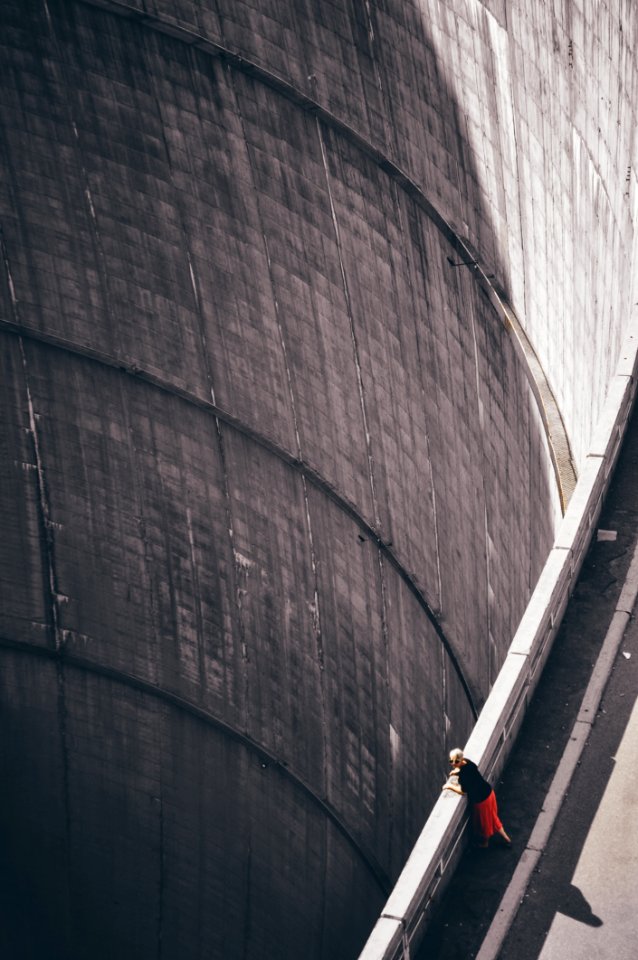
(549, 94)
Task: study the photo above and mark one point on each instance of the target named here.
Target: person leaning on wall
(466, 780)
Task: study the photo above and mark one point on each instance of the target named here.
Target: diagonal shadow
(575, 905)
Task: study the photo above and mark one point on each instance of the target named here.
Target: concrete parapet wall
(404, 918)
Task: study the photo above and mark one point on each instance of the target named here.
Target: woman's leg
(505, 837)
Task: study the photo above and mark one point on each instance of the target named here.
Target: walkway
(581, 895)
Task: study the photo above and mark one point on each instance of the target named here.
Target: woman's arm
(453, 782)
(453, 787)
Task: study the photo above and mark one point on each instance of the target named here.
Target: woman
(465, 779)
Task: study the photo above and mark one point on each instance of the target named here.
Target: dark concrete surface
(474, 895)
(250, 523)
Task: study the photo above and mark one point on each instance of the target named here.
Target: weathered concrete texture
(275, 490)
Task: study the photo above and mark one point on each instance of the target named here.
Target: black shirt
(472, 783)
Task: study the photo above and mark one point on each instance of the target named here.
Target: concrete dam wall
(308, 314)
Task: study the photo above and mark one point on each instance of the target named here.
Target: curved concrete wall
(276, 486)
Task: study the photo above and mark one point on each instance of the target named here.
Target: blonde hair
(456, 755)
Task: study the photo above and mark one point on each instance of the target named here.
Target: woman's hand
(453, 787)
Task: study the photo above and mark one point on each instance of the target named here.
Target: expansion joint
(66, 660)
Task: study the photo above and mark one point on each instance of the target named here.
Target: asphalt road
(581, 898)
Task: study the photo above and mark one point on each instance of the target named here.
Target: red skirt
(485, 817)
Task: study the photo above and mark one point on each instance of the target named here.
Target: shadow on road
(573, 904)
